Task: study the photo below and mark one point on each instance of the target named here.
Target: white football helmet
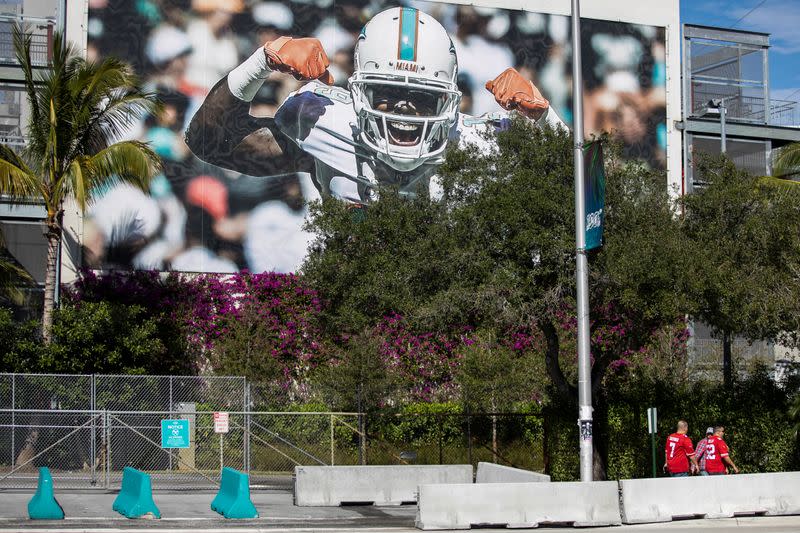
(404, 87)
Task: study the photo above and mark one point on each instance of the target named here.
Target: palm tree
(77, 112)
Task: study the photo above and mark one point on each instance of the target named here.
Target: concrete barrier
(661, 500)
(135, 498)
(380, 485)
(233, 499)
(515, 505)
(492, 473)
(43, 505)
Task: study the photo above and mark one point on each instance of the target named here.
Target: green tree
(493, 378)
(745, 234)
(498, 252)
(20, 348)
(105, 337)
(371, 262)
(246, 347)
(77, 111)
(357, 377)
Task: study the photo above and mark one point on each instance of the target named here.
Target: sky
(780, 18)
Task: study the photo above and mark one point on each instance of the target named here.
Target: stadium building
(647, 79)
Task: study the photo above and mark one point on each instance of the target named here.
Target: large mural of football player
(389, 126)
(251, 130)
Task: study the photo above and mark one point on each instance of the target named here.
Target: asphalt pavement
(90, 511)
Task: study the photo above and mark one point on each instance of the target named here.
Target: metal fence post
(333, 458)
(13, 419)
(107, 432)
(247, 408)
(93, 435)
(469, 438)
(171, 416)
(362, 438)
(441, 429)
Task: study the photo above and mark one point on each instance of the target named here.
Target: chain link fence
(86, 429)
(512, 439)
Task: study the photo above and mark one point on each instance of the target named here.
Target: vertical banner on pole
(595, 193)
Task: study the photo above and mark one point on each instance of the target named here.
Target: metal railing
(749, 109)
(41, 30)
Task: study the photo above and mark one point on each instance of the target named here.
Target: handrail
(26, 18)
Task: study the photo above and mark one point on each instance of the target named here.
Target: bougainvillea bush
(263, 326)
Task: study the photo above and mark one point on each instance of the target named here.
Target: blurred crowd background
(200, 218)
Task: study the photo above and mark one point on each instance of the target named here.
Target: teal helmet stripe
(407, 43)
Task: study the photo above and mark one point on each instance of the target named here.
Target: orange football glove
(512, 91)
(305, 59)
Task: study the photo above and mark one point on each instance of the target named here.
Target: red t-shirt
(678, 449)
(716, 449)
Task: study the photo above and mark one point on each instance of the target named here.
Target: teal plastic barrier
(135, 498)
(43, 505)
(233, 499)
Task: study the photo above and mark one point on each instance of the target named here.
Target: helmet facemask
(406, 98)
(406, 121)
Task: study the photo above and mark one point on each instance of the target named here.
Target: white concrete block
(663, 499)
(381, 485)
(492, 473)
(518, 504)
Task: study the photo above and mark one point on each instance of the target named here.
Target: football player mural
(390, 126)
(271, 104)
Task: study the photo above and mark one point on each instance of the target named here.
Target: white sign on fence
(221, 424)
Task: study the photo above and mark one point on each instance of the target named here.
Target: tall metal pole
(582, 264)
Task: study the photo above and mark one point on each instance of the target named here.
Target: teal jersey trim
(407, 44)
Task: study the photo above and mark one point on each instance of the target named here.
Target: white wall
(77, 16)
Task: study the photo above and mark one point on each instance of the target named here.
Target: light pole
(581, 260)
(717, 106)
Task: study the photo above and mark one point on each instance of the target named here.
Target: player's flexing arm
(513, 92)
(223, 132)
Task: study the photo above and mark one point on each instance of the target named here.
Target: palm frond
(18, 182)
(13, 276)
(788, 161)
(22, 48)
(773, 181)
(128, 161)
(111, 121)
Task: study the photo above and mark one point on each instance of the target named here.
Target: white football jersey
(321, 120)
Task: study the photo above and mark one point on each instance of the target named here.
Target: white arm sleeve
(551, 118)
(245, 80)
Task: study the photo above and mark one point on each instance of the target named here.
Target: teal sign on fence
(174, 433)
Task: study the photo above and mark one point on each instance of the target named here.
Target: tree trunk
(53, 236)
(600, 438)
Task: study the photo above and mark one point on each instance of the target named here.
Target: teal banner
(174, 433)
(594, 188)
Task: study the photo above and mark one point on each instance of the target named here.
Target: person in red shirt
(679, 451)
(717, 454)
